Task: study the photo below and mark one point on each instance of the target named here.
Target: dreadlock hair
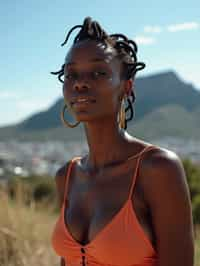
(126, 50)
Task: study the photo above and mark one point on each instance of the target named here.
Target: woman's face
(93, 72)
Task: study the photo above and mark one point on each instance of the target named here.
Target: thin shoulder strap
(67, 175)
(151, 147)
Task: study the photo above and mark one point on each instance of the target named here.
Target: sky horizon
(168, 40)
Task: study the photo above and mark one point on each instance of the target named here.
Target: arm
(167, 194)
(60, 186)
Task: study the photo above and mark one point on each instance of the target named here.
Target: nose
(80, 86)
(81, 83)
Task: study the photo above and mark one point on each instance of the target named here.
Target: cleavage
(88, 212)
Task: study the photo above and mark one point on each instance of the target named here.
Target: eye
(98, 74)
(71, 76)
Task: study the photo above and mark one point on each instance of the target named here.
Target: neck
(106, 143)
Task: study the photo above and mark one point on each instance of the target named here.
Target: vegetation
(193, 178)
(34, 189)
(25, 234)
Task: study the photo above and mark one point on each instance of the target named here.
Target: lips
(82, 100)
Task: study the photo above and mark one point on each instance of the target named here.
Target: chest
(92, 203)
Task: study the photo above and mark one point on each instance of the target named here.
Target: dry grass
(25, 235)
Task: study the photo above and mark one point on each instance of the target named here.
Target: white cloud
(144, 40)
(152, 29)
(183, 26)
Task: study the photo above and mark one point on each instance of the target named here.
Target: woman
(127, 201)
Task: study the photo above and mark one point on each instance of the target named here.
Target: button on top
(82, 250)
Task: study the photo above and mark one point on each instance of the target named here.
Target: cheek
(116, 88)
(115, 80)
(109, 98)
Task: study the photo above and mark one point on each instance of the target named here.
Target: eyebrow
(93, 60)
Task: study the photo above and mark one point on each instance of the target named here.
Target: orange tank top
(122, 242)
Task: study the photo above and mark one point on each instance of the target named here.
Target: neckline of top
(146, 148)
(127, 201)
(105, 227)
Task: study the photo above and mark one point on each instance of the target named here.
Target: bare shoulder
(163, 168)
(160, 158)
(167, 194)
(163, 165)
(60, 181)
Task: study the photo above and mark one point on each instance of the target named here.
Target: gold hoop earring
(122, 115)
(65, 122)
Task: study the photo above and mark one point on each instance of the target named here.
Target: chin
(88, 118)
(83, 116)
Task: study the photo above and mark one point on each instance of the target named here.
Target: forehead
(89, 50)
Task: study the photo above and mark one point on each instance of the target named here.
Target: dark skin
(161, 198)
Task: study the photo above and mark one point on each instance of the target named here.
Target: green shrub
(19, 190)
(33, 188)
(196, 209)
(193, 178)
(43, 191)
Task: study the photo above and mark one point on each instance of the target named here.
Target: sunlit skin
(161, 198)
(95, 71)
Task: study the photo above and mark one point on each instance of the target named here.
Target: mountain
(165, 105)
(162, 89)
(43, 120)
(168, 120)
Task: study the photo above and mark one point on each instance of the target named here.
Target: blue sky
(167, 34)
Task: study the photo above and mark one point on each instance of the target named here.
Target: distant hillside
(168, 120)
(162, 89)
(43, 120)
(165, 105)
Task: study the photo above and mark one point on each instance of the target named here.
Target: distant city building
(44, 158)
